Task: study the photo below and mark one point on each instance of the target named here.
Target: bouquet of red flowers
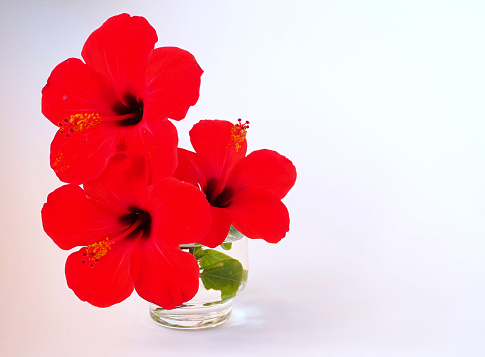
(132, 197)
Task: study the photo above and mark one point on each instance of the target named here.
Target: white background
(379, 104)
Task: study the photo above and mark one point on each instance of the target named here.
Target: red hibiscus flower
(130, 232)
(119, 99)
(244, 191)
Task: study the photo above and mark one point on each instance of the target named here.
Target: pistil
(78, 123)
(95, 251)
(238, 134)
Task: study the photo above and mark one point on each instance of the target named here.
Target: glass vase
(223, 273)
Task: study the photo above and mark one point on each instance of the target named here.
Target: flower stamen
(238, 134)
(95, 251)
(78, 122)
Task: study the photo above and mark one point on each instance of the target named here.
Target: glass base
(223, 274)
(192, 316)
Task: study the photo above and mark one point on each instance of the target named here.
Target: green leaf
(220, 272)
(245, 275)
(209, 257)
(198, 252)
(224, 276)
(226, 246)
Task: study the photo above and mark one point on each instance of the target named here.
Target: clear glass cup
(223, 275)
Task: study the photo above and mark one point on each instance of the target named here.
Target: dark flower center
(221, 200)
(139, 220)
(131, 107)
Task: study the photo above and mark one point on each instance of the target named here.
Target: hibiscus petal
(119, 51)
(107, 281)
(74, 88)
(71, 219)
(172, 84)
(219, 228)
(82, 156)
(122, 184)
(180, 212)
(158, 142)
(266, 170)
(164, 275)
(188, 167)
(258, 214)
(211, 140)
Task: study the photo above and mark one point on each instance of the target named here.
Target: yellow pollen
(78, 122)
(59, 164)
(97, 250)
(238, 134)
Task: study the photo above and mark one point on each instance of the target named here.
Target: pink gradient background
(379, 104)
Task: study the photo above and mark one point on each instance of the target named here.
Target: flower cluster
(132, 197)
